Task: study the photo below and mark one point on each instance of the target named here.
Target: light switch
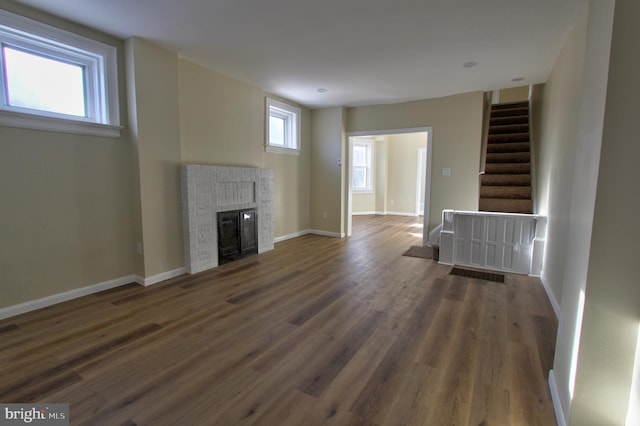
(446, 171)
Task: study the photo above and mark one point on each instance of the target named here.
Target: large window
(361, 167)
(283, 127)
(55, 80)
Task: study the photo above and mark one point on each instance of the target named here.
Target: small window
(361, 170)
(55, 80)
(283, 128)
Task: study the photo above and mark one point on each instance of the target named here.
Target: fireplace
(208, 190)
(237, 235)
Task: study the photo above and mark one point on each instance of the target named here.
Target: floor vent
(469, 273)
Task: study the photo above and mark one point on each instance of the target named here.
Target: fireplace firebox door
(237, 235)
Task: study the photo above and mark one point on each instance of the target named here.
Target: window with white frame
(361, 165)
(52, 79)
(282, 127)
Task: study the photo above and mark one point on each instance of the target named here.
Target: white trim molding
(160, 277)
(307, 232)
(54, 299)
(327, 233)
(552, 299)
(555, 398)
(32, 305)
(291, 236)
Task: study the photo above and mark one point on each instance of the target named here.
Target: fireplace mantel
(207, 190)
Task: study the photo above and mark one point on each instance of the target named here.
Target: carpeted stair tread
(510, 105)
(505, 179)
(505, 186)
(509, 112)
(507, 168)
(508, 137)
(516, 119)
(506, 192)
(505, 205)
(508, 157)
(508, 147)
(509, 128)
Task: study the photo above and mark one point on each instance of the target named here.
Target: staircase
(505, 185)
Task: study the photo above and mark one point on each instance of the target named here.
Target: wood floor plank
(318, 331)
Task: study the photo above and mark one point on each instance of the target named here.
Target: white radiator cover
(207, 190)
(496, 241)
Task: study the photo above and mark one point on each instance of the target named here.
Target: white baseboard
(412, 214)
(555, 398)
(306, 232)
(327, 233)
(290, 236)
(434, 235)
(552, 299)
(365, 213)
(32, 305)
(160, 277)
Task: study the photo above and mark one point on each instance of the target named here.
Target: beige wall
(364, 202)
(153, 89)
(403, 171)
(514, 94)
(612, 304)
(66, 215)
(457, 129)
(555, 116)
(75, 219)
(586, 169)
(327, 176)
(221, 119)
(222, 122)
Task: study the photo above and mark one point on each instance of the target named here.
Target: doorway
(406, 188)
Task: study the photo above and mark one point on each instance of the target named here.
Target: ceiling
(361, 52)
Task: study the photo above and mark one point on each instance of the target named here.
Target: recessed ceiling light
(470, 64)
(321, 90)
(517, 79)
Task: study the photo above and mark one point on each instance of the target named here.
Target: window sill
(37, 122)
(362, 191)
(281, 150)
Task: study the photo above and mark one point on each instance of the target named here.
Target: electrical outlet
(324, 215)
(139, 248)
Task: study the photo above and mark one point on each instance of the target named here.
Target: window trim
(291, 115)
(101, 89)
(368, 143)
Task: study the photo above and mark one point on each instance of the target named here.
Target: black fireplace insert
(237, 234)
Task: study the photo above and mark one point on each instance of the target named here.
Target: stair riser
(508, 157)
(518, 119)
(509, 128)
(505, 180)
(506, 206)
(509, 168)
(508, 147)
(509, 112)
(506, 192)
(510, 105)
(508, 138)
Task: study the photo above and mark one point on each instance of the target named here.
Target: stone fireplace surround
(207, 190)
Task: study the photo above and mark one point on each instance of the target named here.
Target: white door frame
(427, 185)
(422, 152)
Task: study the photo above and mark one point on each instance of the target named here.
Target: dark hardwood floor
(318, 331)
